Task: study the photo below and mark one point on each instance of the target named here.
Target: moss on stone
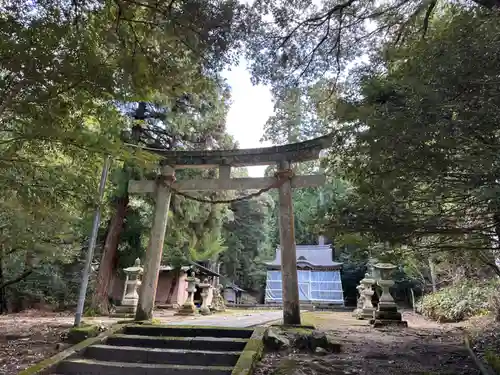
(297, 330)
(37, 368)
(125, 321)
(83, 332)
(252, 353)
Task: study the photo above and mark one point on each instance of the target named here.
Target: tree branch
(19, 278)
(428, 14)
(323, 18)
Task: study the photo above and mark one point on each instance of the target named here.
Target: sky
(251, 107)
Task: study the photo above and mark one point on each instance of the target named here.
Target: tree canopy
(409, 88)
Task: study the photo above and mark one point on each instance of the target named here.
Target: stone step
(163, 356)
(191, 343)
(93, 367)
(188, 331)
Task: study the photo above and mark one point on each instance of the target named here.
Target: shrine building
(319, 277)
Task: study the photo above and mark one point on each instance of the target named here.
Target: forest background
(409, 88)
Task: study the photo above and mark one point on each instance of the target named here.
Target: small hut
(233, 293)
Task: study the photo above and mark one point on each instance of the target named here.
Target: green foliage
(493, 359)
(296, 43)
(210, 246)
(67, 73)
(458, 302)
(400, 198)
(295, 118)
(412, 173)
(135, 235)
(248, 242)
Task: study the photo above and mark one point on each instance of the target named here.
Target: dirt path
(237, 319)
(422, 348)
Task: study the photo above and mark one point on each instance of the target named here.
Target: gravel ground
(423, 348)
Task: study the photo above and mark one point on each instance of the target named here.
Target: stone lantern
(205, 287)
(188, 308)
(359, 306)
(218, 299)
(130, 297)
(387, 311)
(367, 309)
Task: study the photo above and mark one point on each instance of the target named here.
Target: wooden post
(290, 286)
(152, 263)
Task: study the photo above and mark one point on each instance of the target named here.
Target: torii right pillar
(290, 286)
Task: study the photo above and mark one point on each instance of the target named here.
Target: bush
(459, 301)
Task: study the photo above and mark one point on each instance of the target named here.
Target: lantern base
(125, 311)
(367, 313)
(388, 322)
(187, 309)
(386, 314)
(387, 317)
(205, 311)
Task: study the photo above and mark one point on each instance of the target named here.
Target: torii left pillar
(152, 263)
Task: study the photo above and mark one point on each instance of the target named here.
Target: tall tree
(419, 141)
(248, 242)
(66, 69)
(295, 43)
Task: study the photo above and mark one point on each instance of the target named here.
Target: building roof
(201, 269)
(315, 256)
(234, 287)
(171, 268)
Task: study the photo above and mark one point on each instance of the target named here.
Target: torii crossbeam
(163, 186)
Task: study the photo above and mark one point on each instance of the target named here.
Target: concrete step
(191, 343)
(163, 356)
(93, 367)
(188, 331)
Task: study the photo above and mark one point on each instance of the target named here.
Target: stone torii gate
(284, 180)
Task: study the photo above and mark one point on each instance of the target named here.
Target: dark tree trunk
(28, 270)
(100, 301)
(109, 259)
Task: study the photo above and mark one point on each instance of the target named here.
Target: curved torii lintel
(293, 152)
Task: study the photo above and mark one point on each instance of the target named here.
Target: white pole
(93, 239)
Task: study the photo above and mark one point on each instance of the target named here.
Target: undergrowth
(493, 360)
(460, 301)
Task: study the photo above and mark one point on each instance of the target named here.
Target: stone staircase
(161, 350)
